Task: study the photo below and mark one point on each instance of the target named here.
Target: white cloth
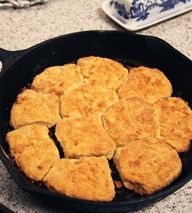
(20, 3)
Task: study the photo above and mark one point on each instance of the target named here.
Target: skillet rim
(13, 56)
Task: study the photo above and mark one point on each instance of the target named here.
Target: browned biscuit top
(149, 84)
(174, 122)
(57, 79)
(147, 165)
(103, 71)
(129, 119)
(85, 100)
(84, 137)
(100, 108)
(33, 150)
(85, 178)
(34, 107)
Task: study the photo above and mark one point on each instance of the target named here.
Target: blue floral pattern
(140, 9)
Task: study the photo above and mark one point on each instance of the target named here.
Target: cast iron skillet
(20, 67)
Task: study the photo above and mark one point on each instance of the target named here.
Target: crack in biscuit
(33, 150)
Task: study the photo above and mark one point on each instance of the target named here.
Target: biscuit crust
(86, 178)
(85, 100)
(57, 79)
(102, 71)
(174, 122)
(147, 83)
(147, 165)
(99, 110)
(129, 119)
(84, 137)
(34, 107)
(33, 150)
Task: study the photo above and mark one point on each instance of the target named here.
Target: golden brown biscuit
(147, 165)
(129, 119)
(33, 150)
(85, 100)
(84, 137)
(102, 71)
(174, 122)
(149, 84)
(33, 107)
(57, 79)
(85, 178)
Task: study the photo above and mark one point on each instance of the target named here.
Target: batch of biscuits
(100, 110)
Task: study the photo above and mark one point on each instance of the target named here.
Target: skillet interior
(128, 48)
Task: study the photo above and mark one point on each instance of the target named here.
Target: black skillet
(20, 67)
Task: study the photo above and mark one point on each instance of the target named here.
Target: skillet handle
(8, 58)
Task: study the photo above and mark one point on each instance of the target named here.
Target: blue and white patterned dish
(138, 14)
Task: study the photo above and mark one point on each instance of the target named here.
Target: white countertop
(20, 29)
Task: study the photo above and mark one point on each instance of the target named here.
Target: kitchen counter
(20, 29)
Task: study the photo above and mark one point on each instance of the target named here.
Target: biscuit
(85, 100)
(174, 122)
(84, 137)
(33, 107)
(57, 79)
(86, 178)
(149, 84)
(33, 150)
(102, 71)
(147, 165)
(129, 119)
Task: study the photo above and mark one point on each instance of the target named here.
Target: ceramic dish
(138, 14)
